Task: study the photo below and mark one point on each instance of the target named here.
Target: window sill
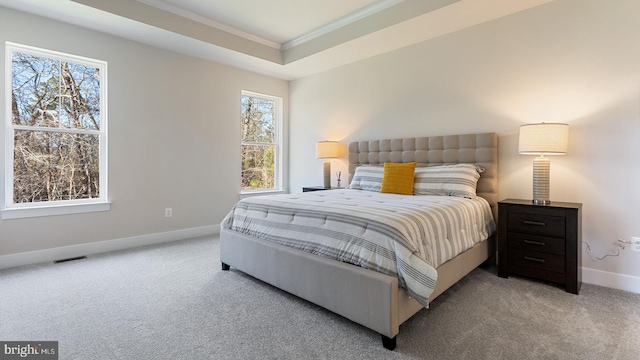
(260, 192)
(21, 213)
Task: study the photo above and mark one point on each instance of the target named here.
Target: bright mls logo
(44, 350)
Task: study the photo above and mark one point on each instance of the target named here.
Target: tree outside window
(261, 119)
(58, 128)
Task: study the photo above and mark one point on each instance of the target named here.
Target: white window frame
(13, 210)
(278, 138)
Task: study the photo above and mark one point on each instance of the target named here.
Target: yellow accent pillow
(398, 178)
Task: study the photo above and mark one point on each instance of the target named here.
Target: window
(55, 133)
(261, 142)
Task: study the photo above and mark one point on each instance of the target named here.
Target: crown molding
(332, 26)
(209, 22)
(341, 22)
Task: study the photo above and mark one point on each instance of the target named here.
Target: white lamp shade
(544, 138)
(327, 149)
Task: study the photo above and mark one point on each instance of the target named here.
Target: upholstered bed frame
(364, 296)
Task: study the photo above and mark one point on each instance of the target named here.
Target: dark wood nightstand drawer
(538, 260)
(538, 243)
(536, 224)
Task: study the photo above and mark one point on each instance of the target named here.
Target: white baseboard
(66, 252)
(611, 280)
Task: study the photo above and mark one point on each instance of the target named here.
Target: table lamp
(327, 150)
(543, 139)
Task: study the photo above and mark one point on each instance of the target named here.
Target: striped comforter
(398, 235)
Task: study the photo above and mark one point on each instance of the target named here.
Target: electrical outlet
(168, 212)
(635, 243)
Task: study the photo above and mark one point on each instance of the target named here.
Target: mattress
(403, 236)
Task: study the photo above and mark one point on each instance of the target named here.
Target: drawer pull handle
(537, 223)
(531, 242)
(534, 259)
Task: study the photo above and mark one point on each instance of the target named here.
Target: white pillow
(367, 177)
(451, 180)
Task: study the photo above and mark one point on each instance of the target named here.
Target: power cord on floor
(594, 256)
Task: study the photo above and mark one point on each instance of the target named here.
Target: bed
(379, 301)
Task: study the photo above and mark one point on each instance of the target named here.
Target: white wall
(572, 61)
(174, 136)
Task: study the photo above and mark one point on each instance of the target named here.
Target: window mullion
(259, 143)
(52, 129)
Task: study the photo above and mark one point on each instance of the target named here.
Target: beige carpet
(172, 301)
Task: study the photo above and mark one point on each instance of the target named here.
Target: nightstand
(541, 241)
(314, 188)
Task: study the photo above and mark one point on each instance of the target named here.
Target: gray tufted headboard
(479, 149)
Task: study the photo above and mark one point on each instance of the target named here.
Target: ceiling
(287, 39)
(276, 21)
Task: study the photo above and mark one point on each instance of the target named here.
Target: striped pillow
(367, 177)
(452, 180)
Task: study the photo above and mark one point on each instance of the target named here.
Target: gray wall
(572, 61)
(174, 135)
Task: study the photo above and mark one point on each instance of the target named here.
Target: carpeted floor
(171, 301)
